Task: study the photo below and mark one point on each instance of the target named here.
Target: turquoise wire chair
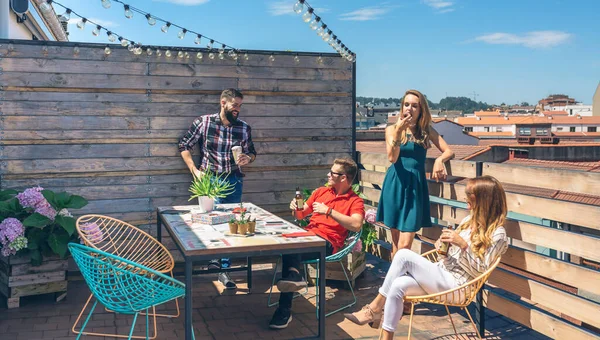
(123, 286)
(351, 240)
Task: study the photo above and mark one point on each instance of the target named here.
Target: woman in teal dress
(404, 201)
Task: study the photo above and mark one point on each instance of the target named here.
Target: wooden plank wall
(548, 287)
(107, 127)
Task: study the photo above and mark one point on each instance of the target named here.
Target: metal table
(202, 242)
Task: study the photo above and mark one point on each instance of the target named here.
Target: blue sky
(503, 50)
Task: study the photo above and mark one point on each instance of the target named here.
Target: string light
(168, 53)
(111, 36)
(128, 13)
(321, 29)
(76, 50)
(198, 39)
(165, 27)
(149, 51)
(272, 57)
(65, 16)
(106, 4)
(107, 50)
(96, 31)
(158, 52)
(181, 34)
(81, 23)
(151, 20)
(199, 56)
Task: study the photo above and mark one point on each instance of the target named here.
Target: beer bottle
(299, 200)
(445, 245)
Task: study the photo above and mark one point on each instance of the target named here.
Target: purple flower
(92, 232)
(357, 246)
(44, 208)
(31, 197)
(371, 215)
(10, 229)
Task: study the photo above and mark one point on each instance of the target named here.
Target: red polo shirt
(326, 227)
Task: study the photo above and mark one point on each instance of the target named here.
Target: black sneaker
(225, 279)
(293, 282)
(281, 319)
(214, 264)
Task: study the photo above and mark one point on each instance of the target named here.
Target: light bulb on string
(181, 34)
(314, 24)
(96, 30)
(231, 54)
(111, 36)
(321, 30)
(107, 50)
(327, 36)
(10, 47)
(138, 50)
(45, 7)
(209, 46)
(149, 51)
(198, 39)
(76, 50)
(235, 55)
(320, 59)
(81, 23)
(187, 55)
(180, 54)
(130, 47)
(221, 50)
(296, 59)
(66, 16)
(199, 56)
(158, 52)
(299, 6)
(211, 56)
(106, 4)
(246, 57)
(168, 54)
(272, 58)
(128, 13)
(221, 55)
(165, 27)
(307, 16)
(151, 19)
(124, 42)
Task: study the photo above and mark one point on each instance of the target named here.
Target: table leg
(189, 330)
(249, 265)
(158, 227)
(321, 295)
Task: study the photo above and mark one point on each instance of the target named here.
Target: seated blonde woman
(474, 246)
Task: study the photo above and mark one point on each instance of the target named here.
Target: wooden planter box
(19, 278)
(355, 264)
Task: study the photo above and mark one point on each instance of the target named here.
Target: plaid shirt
(216, 141)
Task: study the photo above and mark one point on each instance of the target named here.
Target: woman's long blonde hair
(488, 211)
(423, 123)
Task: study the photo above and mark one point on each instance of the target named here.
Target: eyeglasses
(335, 173)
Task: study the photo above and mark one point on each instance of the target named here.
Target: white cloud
(366, 13)
(103, 23)
(535, 39)
(441, 6)
(185, 2)
(286, 8)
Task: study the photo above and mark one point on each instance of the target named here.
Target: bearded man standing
(216, 134)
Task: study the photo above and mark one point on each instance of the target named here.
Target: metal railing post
(479, 307)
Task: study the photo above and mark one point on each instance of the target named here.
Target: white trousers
(410, 274)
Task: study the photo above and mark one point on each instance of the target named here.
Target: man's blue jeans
(237, 180)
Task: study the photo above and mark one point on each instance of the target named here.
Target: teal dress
(404, 200)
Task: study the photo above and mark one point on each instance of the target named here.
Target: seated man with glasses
(335, 210)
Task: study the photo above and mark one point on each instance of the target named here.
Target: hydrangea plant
(37, 222)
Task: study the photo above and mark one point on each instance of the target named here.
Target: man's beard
(230, 117)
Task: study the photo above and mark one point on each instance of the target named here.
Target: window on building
(559, 128)
(498, 129)
(468, 129)
(541, 132)
(525, 131)
(486, 129)
(572, 129)
(592, 128)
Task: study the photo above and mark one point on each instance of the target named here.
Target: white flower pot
(205, 204)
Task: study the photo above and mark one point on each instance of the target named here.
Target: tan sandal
(365, 316)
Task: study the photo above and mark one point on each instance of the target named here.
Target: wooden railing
(556, 295)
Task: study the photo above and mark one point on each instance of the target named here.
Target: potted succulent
(208, 187)
(252, 225)
(233, 226)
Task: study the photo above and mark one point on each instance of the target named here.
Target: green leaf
(36, 257)
(7, 194)
(34, 238)
(62, 199)
(76, 202)
(58, 243)
(68, 223)
(11, 206)
(37, 220)
(50, 197)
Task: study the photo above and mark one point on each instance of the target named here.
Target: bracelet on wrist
(329, 212)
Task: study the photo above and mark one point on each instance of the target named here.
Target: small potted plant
(233, 226)
(208, 187)
(243, 221)
(252, 225)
